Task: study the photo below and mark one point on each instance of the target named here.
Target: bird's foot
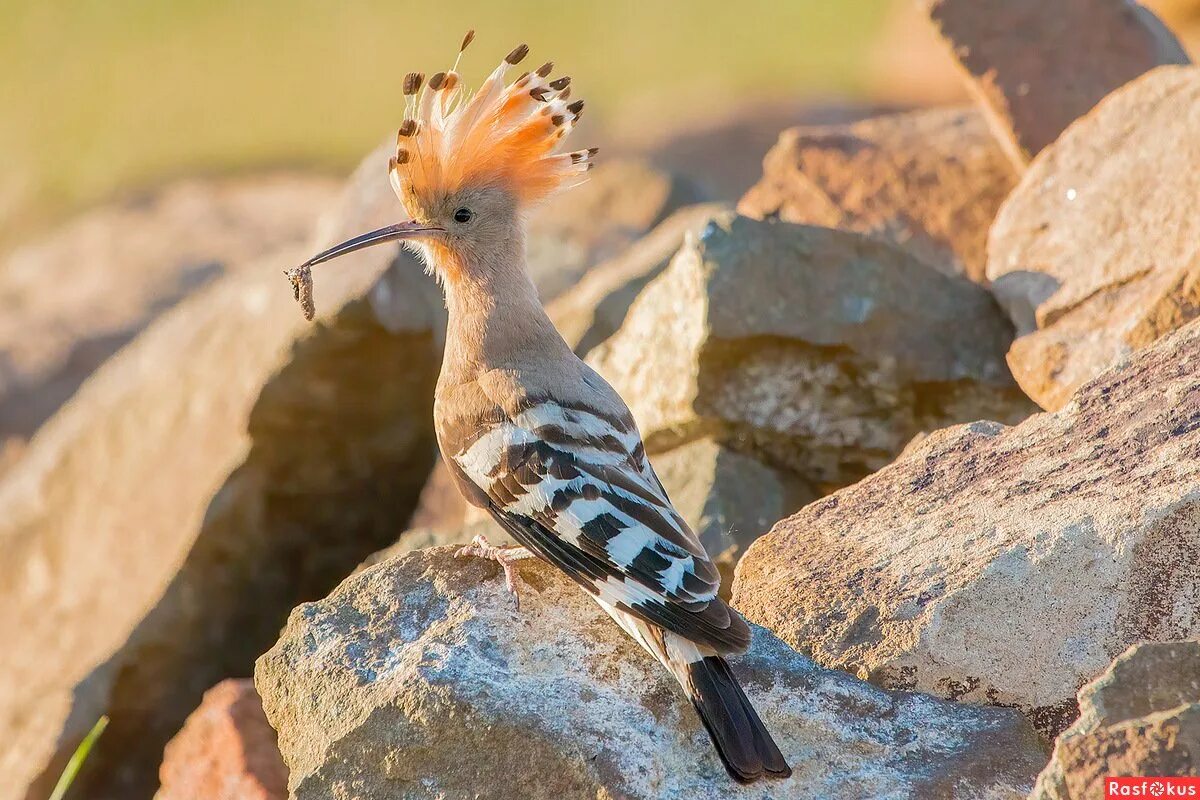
(505, 556)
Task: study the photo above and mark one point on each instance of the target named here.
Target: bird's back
(549, 448)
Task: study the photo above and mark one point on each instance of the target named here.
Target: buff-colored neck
(496, 320)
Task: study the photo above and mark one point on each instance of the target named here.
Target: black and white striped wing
(574, 486)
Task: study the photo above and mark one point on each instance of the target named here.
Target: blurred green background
(102, 96)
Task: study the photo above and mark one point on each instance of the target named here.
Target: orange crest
(504, 135)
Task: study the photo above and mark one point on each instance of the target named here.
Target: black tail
(741, 739)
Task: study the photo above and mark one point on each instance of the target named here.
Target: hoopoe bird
(531, 433)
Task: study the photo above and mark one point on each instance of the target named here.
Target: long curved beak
(301, 276)
(391, 233)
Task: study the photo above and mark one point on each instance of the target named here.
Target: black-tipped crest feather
(518, 54)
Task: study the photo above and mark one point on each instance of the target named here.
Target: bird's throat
(495, 319)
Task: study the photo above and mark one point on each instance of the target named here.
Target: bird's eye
(463, 215)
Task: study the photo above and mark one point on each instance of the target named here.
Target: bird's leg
(506, 557)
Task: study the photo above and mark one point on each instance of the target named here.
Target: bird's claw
(506, 557)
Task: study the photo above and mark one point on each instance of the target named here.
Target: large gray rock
(1141, 717)
(1035, 67)
(817, 350)
(594, 308)
(929, 181)
(417, 678)
(231, 462)
(74, 296)
(1094, 253)
(1005, 565)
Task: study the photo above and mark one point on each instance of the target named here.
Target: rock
(1141, 717)
(73, 297)
(594, 308)
(620, 202)
(818, 351)
(728, 498)
(226, 751)
(1036, 67)
(1093, 255)
(1005, 565)
(929, 181)
(228, 464)
(417, 678)
(1050, 364)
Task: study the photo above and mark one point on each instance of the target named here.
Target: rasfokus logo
(1151, 787)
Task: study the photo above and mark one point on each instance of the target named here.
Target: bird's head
(467, 165)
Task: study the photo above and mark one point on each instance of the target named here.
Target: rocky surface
(1094, 254)
(418, 678)
(1036, 67)
(930, 181)
(231, 462)
(819, 351)
(74, 296)
(1005, 565)
(225, 751)
(595, 307)
(621, 200)
(1140, 717)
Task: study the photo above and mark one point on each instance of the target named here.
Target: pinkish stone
(225, 751)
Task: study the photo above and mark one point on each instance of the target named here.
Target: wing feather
(574, 486)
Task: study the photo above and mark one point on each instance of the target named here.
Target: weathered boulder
(621, 201)
(418, 678)
(929, 181)
(1094, 253)
(226, 750)
(1035, 67)
(594, 308)
(817, 350)
(1141, 717)
(728, 498)
(230, 463)
(74, 296)
(1005, 565)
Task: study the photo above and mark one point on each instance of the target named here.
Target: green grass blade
(77, 758)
